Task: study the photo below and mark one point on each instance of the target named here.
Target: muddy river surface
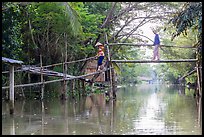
(147, 109)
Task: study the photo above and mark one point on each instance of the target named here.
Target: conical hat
(98, 44)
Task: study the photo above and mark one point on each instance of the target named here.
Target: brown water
(140, 110)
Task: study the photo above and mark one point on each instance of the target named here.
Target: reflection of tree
(43, 116)
(98, 107)
(65, 115)
(199, 110)
(131, 101)
(113, 109)
(180, 113)
(181, 90)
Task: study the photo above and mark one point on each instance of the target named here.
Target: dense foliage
(67, 31)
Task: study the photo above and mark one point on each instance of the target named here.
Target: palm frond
(74, 18)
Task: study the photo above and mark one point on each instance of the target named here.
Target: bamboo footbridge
(44, 71)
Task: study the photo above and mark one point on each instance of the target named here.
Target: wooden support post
(78, 88)
(198, 79)
(29, 81)
(65, 65)
(113, 84)
(42, 87)
(7, 95)
(112, 94)
(200, 70)
(83, 88)
(110, 74)
(11, 91)
(63, 95)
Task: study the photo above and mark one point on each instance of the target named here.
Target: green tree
(11, 27)
(187, 21)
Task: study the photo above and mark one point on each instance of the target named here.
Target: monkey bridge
(44, 71)
(198, 67)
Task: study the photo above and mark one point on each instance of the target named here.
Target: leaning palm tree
(73, 18)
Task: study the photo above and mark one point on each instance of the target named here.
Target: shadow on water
(143, 109)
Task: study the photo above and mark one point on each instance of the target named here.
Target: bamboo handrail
(140, 45)
(58, 80)
(4, 72)
(188, 74)
(154, 61)
(69, 62)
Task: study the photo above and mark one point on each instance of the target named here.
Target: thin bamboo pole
(110, 66)
(58, 80)
(5, 72)
(198, 72)
(148, 45)
(11, 93)
(188, 74)
(65, 65)
(154, 61)
(198, 78)
(83, 88)
(113, 84)
(57, 64)
(41, 78)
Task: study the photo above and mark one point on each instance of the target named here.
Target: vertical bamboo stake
(65, 69)
(113, 84)
(41, 77)
(64, 92)
(78, 88)
(43, 115)
(7, 94)
(198, 73)
(63, 82)
(29, 81)
(11, 94)
(200, 70)
(109, 64)
(73, 87)
(83, 88)
(198, 78)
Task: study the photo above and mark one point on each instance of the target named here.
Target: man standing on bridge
(156, 45)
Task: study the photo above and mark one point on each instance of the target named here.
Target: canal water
(146, 109)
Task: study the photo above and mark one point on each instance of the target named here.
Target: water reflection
(140, 110)
(151, 121)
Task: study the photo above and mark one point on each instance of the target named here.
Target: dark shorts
(100, 60)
